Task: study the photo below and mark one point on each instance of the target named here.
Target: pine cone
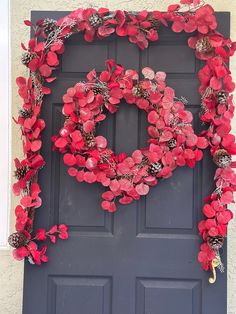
(25, 113)
(203, 45)
(222, 158)
(89, 139)
(222, 97)
(154, 168)
(17, 240)
(49, 25)
(215, 242)
(172, 143)
(140, 92)
(95, 20)
(27, 57)
(155, 23)
(20, 173)
(97, 90)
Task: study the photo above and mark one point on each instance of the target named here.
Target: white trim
(5, 114)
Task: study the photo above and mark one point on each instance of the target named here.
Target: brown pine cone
(203, 45)
(222, 158)
(17, 240)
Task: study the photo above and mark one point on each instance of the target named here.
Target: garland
(172, 140)
(216, 86)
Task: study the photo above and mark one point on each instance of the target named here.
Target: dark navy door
(143, 258)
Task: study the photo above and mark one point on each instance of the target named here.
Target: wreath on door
(172, 140)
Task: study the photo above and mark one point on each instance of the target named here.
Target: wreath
(167, 147)
(172, 140)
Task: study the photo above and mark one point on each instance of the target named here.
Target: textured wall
(11, 272)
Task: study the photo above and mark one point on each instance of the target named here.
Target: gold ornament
(215, 263)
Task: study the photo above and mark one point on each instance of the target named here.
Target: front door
(143, 258)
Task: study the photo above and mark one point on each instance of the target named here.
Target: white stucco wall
(11, 272)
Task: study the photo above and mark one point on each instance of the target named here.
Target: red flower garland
(172, 140)
(41, 57)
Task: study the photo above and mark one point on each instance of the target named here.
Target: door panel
(143, 258)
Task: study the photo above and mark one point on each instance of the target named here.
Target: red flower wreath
(172, 140)
(41, 58)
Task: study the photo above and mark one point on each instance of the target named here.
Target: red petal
(20, 81)
(227, 197)
(104, 31)
(228, 140)
(72, 172)
(88, 126)
(202, 142)
(28, 23)
(148, 73)
(104, 76)
(215, 83)
(90, 177)
(108, 196)
(208, 211)
(142, 189)
(91, 163)
(224, 217)
(69, 159)
(45, 70)
(177, 27)
(26, 201)
(52, 59)
(34, 64)
(36, 145)
(60, 142)
(101, 142)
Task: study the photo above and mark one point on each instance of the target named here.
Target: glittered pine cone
(222, 158)
(27, 57)
(203, 45)
(215, 242)
(222, 97)
(20, 173)
(89, 139)
(95, 20)
(154, 168)
(97, 90)
(25, 113)
(140, 92)
(172, 143)
(49, 25)
(17, 240)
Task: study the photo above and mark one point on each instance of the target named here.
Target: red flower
(35, 255)
(103, 30)
(63, 234)
(32, 200)
(194, 2)
(206, 255)
(186, 23)
(21, 253)
(109, 206)
(215, 40)
(137, 27)
(21, 218)
(41, 235)
(205, 19)
(28, 168)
